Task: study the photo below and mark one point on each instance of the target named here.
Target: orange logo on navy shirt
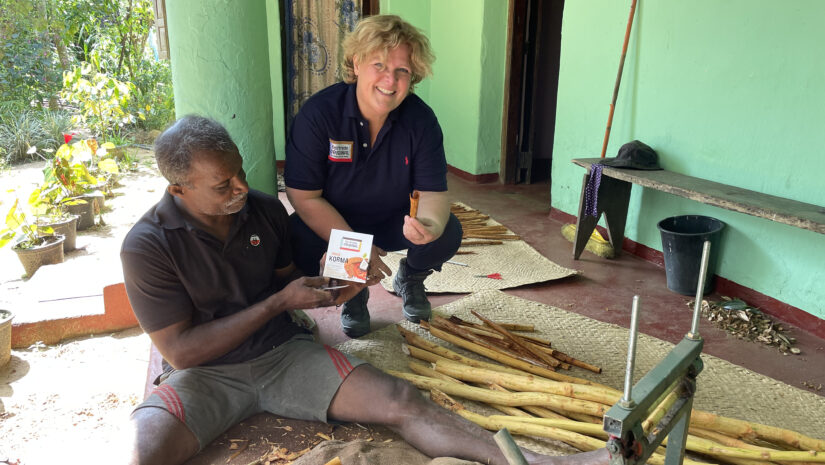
(340, 151)
(406, 160)
(255, 240)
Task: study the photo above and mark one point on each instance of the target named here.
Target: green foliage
(67, 176)
(76, 170)
(21, 134)
(154, 96)
(26, 133)
(41, 40)
(103, 100)
(55, 124)
(28, 64)
(21, 231)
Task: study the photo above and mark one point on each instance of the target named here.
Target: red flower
(67, 138)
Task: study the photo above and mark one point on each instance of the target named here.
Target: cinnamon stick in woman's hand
(414, 203)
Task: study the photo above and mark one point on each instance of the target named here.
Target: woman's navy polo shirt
(328, 150)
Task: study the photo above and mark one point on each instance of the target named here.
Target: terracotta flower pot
(47, 253)
(5, 336)
(66, 227)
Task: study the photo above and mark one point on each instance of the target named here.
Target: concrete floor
(604, 291)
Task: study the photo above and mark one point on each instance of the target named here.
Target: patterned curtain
(315, 31)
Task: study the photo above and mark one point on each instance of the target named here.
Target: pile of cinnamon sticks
(501, 341)
(539, 401)
(476, 227)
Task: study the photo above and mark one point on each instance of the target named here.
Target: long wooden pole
(618, 77)
(416, 341)
(422, 370)
(699, 419)
(509, 361)
(515, 340)
(525, 383)
(444, 325)
(513, 399)
(579, 441)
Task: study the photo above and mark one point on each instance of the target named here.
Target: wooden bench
(614, 199)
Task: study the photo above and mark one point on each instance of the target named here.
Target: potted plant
(70, 183)
(34, 245)
(54, 216)
(5, 336)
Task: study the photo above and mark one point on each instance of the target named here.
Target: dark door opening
(535, 32)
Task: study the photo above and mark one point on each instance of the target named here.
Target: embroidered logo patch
(340, 151)
(255, 240)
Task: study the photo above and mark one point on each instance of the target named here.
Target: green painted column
(220, 69)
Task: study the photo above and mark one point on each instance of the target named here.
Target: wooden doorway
(534, 43)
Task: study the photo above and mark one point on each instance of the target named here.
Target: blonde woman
(356, 152)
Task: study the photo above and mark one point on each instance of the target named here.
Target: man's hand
(305, 292)
(345, 293)
(420, 232)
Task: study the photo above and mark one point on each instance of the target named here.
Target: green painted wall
(466, 90)
(456, 28)
(417, 13)
(276, 76)
(727, 91)
(220, 69)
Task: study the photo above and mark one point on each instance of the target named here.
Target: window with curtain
(315, 31)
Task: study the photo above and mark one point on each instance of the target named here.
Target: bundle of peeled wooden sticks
(499, 340)
(540, 402)
(475, 226)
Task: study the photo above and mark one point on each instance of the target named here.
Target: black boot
(355, 317)
(413, 293)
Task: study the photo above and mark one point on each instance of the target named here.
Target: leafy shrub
(26, 133)
(55, 124)
(19, 133)
(154, 96)
(28, 71)
(103, 100)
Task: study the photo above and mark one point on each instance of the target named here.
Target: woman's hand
(377, 269)
(420, 232)
(433, 215)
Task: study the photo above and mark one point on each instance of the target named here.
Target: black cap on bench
(636, 155)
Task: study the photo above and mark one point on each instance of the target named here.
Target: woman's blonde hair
(382, 33)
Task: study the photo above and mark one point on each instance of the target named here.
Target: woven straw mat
(722, 387)
(516, 261)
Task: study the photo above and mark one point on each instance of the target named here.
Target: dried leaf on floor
(743, 321)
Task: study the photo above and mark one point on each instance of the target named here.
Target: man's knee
(407, 401)
(158, 437)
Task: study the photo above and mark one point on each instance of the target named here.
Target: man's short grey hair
(178, 143)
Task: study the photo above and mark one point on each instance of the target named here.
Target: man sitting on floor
(209, 274)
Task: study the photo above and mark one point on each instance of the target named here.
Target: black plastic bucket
(682, 240)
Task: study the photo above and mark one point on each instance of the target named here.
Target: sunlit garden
(82, 86)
